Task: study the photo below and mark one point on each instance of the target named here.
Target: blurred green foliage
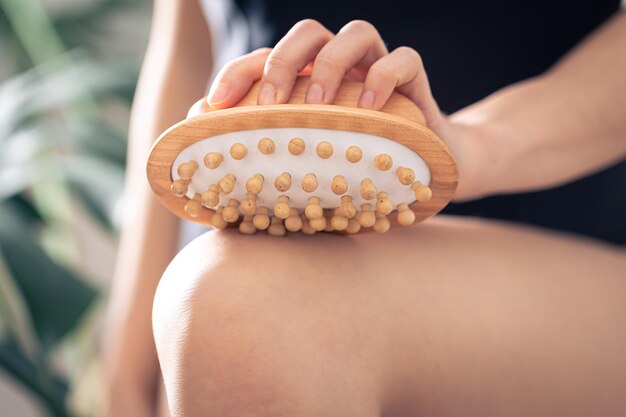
(62, 158)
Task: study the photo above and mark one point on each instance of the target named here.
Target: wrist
(478, 154)
(495, 140)
(489, 140)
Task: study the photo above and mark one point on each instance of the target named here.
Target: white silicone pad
(281, 160)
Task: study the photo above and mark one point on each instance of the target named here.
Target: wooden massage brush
(303, 167)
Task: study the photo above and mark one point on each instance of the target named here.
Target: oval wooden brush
(300, 167)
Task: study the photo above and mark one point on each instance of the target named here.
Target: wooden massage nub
(303, 168)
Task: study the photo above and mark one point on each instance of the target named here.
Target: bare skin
(453, 317)
(149, 235)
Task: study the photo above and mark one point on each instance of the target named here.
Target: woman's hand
(527, 136)
(357, 52)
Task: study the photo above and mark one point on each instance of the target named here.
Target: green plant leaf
(53, 86)
(50, 390)
(96, 138)
(14, 314)
(56, 298)
(98, 183)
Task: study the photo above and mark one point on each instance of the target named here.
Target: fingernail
(367, 99)
(218, 94)
(267, 95)
(315, 95)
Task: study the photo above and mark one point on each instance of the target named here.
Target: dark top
(471, 49)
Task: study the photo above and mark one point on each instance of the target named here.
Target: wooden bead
(227, 184)
(306, 226)
(406, 216)
(187, 169)
(382, 224)
(313, 210)
(238, 151)
(354, 154)
(339, 185)
(261, 220)
(383, 204)
(383, 162)
(266, 146)
(217, 221)
(348, 209)
(179, 187)
(339, 221)
(367, 218)
(368, 190)
(231, 211)
(318, 224)
(248, 206)
(293, 223)
(405, 175)
(281, 209)
(296, 146)
(193, 207)
(309, 183)
(255, 184)
(354, 226)
(423, 193)
(277, 228)
(283, 182)
(246, 227)
(211, 197)
(213, 160)
(324, 150)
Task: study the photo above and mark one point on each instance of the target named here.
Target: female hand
(356, 52)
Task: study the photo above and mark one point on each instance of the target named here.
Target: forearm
(175, 72)
(552, 129)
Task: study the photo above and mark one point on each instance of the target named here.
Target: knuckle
(384, 73)
(244, 61)
(276, 62)
(262, 51)
(234, 66)
(411, 54)
(308, 25)
(329, 63)
(239, 67)
(360, 26)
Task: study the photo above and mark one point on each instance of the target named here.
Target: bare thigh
(452, 317)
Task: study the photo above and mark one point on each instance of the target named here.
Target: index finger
(290, 56)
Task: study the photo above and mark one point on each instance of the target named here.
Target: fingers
(357, 52)
(394, 70)
(358, 43)
(198, 107)
(235, 79)
(290, 56)
(402, 69)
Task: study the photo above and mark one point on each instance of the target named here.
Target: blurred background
(67, 75)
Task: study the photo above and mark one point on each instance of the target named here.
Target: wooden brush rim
(246, 117)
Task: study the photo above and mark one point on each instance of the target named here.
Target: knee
(218, 282)
(210, 324)
(234, 336)
(240, 328)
